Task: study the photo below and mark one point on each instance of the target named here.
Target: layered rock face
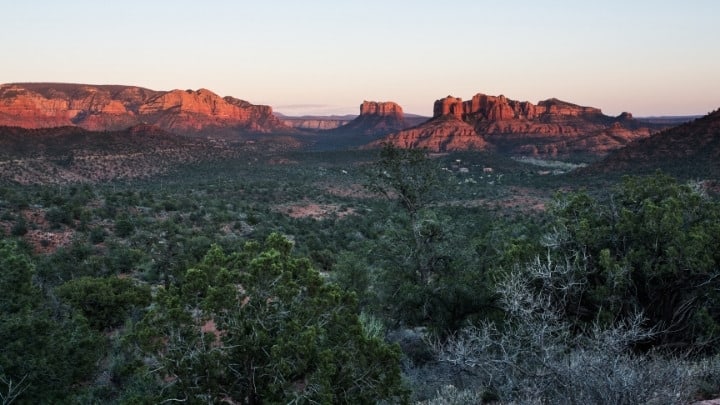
(110, 108)
(376, 118)
(500, 108)
(382, 108)
(550, 127)
(315, 123)
(438, 135)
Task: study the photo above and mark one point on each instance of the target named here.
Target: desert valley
(164, 246)
(68, 118)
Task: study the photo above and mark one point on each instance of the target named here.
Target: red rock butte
(382, 108)
(550, 127)
(499, 108)
(377, 118)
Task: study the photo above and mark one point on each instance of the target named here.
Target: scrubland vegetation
(360, 277)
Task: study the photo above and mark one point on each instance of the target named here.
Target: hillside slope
(693, 148)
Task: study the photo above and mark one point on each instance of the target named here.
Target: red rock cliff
(376, 118)
(382, 108)
(42, 105)
(500, 108)
(550, 127)
(449, 106)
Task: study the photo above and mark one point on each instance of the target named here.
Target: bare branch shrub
(450, 395)
(12, 389)
(535, 357)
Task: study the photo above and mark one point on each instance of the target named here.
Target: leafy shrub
(58, 215)
(97, 235)
(19, 228)
(650, 245)
(38, 341)
(283, 336)
(105, 302)
(124, 227)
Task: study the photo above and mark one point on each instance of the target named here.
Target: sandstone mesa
(112, 108)
(550, 127)
(377, 118)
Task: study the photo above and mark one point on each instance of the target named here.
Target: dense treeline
(458, 278)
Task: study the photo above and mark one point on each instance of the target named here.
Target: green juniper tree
(426, 272)
(261, 326)
(45, 351)
(651, 245)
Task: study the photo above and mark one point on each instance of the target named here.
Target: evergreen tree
(45, 352)
(650, 246)
(261, 326)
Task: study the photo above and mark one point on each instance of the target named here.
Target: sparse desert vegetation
(360, 276)
(372, 202)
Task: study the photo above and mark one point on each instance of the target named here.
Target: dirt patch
(42, 238)
(282, 161)
(35, 216)
(350, 190)
(519, 198)
(527, 199)
(313, 210)
(44, 242)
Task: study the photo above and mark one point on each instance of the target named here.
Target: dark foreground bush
(536, 358)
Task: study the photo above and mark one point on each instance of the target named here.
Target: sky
(648, 57)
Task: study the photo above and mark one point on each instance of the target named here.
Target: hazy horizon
(323, 58)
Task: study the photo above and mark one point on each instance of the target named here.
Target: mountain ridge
(693, 146)
(115, 107)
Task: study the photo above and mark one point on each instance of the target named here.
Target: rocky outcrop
(383, 109)
(376, 119)
(317, 123)
(550, 127)
(110, 108)
(443, 134)
(314, 124)
(449, 107)
(500, 108)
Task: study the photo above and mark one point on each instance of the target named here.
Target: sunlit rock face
(376, 118)
(381, 108)
(550, 127)
(442, 134)
(109, 107)
(500, 108)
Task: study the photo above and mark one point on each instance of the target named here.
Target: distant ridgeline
(111, 108)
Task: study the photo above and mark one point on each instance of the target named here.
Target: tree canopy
(261, 326)
(649, 246)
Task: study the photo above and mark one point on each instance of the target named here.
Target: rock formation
(317, 123)
(550, 127)
(500, 108)
(376, 119)
(382, 108)
(439, 135)
(111, 108)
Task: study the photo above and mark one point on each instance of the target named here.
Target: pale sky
(647, 57)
